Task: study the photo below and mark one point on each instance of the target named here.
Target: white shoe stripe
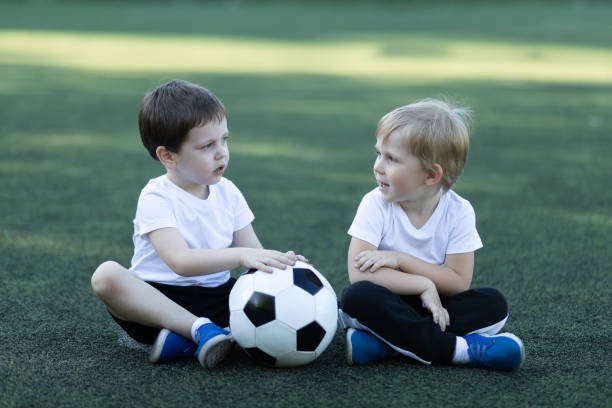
(346, 322)
(492, 329)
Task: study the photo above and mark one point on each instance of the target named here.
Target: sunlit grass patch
(405, 58)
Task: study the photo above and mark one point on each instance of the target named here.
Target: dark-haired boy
(192, 226)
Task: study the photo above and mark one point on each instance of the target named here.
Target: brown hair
(171, 110)
(433, 131)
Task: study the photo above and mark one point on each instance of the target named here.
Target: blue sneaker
(362, 347)
(502, 351)
(169, 346)
(214, 344)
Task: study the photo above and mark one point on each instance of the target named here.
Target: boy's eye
(207, 146)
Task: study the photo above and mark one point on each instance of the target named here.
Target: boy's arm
(397, 281)
(394, 280)
(246, 238)
(172, 248)
(453, 277)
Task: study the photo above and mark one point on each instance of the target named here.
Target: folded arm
(394, 280)
(451, 278)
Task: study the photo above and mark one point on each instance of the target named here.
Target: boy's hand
(266, 259)
(298, 257)
(432, 302)
(371, 261)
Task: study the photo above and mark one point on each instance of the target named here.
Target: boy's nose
(222, 153)
(378, 168)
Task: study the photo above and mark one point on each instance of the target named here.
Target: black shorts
(405, 324)
(212, 303)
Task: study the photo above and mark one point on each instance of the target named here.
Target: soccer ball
(286, 318)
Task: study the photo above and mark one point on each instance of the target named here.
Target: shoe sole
(158, 346)
(521, 346)
(349, 346)
(517, 340)
(215, 351)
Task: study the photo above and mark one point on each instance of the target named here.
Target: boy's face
(399, 174)
(204, 155)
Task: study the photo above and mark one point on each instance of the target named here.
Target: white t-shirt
(451, 229)
(206, 224)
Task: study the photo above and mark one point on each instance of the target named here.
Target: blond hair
(433, 131)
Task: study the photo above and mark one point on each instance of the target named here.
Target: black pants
(212, 303)
(403, 322)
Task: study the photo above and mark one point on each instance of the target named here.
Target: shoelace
(479, 352)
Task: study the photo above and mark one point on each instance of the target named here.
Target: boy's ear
(435, 175)
(166, 157)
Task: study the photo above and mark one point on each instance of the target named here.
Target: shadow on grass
(526, 22)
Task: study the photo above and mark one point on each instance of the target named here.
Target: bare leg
(134, 300)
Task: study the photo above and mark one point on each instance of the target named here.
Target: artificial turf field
(304, 86)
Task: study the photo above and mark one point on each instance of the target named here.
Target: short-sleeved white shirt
(451, 229)
(204, 223)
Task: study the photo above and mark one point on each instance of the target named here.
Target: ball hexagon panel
(326, 311)
(260, 308)
(327, 316)
(241, 292)
(295, 307)
(329, 336)
(309, 337)
(243, 331)
(306, 279)
(275, 338)
(272, 283)
(300, 264)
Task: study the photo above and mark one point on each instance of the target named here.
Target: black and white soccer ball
(286, 318)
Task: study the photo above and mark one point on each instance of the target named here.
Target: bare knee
(106, 278)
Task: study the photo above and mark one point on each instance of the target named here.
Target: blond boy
(411, 256)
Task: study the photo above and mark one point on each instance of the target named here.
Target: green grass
(72, 77)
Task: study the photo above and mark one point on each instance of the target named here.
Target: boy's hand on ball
(371, 261)
(266, 259)
(299, 257)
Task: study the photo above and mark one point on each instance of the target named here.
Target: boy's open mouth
(219, 170)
